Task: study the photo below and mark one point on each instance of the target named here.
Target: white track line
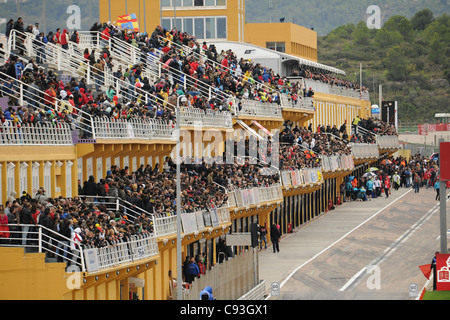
(391, 249)
(343, 237)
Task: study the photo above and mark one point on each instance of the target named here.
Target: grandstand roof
(256, 53)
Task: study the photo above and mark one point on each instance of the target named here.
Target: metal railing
(364, 150)
(75, 63)
(388, 142)
(27, 94)
(260, 109)
(147, 129)
(206, 118)
(121, 252)
(242, 198)
(301, 177)
(35, 134)
(126, 54)
(37, 238)
(302, 103)
(322, 87)
(335, 162)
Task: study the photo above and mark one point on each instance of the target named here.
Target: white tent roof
(250, 51)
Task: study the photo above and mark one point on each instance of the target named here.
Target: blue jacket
(208, 292)
(193, 269)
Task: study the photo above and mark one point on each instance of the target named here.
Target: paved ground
(362, 250)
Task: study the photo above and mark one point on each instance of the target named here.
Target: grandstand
(88, 141)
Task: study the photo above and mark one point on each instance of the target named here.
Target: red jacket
(64, 38)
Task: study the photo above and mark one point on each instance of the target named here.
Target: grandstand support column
(63, 179)
(17, 178)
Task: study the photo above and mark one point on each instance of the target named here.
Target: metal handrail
(43, 239)
(36, 96)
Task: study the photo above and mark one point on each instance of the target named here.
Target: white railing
(301, 177)
(35, 134)
(302, 103)
(336, 162)
(388, 142)
(164, 224)
(126, 54)
(148, 129)
(137, 247)
(75, 64)
(206, 118)
(40, 239)
(35, 98)
(260, 109)
(242, 198)
(322, 87)
(37, 238)
(364, 150)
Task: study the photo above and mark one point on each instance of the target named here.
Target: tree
(386, 39)
(400, 24)
(361, 34)
(422, 19)
(396, 65)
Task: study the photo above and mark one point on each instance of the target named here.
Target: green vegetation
(326, 15)
(436, 295)
(54, 16)
(408, 57)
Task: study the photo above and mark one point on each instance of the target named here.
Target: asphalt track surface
(368, 250)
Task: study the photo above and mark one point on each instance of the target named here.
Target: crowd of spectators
(301, 148)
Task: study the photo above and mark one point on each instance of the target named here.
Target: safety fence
(301, 177)
(335, 162)
(301, 103)
(254, 196)
(231, 279)
(364, 150)
(148, 129)
(259, 109)
(16, 134)
(204, 118)
(84, 258)
(388, 142)
(136, 247)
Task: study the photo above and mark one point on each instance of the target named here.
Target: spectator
(4, 229)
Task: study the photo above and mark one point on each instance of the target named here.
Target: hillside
(326, 15)
(409, 57)
(54, 16)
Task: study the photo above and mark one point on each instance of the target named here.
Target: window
(165, 3)
(221, 28)
(276, 46)
(198, 3)
(166, 23)
(210, 2)
(188, 25)
(199, 29)
(188, 3)
(210, 28)
(178, 24)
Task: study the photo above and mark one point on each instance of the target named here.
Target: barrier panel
(137, 247)
(35, 134)
(148, 129)
(388, 142)
(259, 109)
